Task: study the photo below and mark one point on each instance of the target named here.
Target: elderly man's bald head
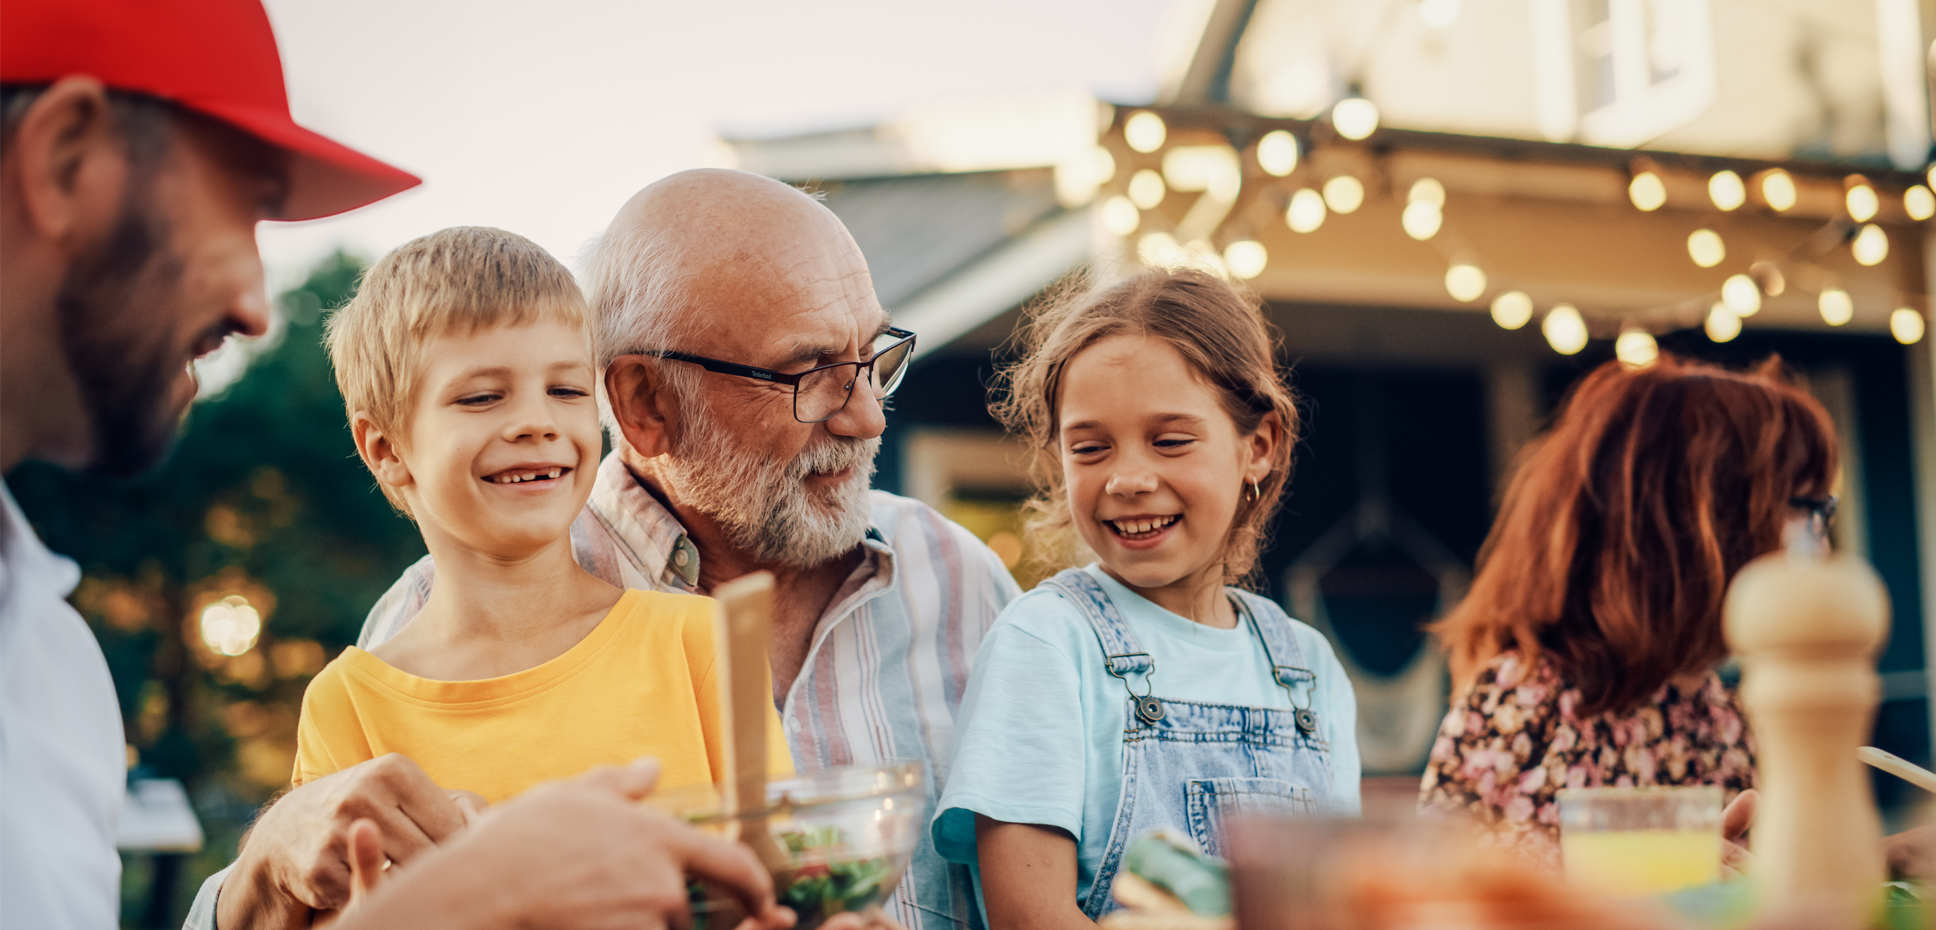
(708, 245)
(725, 214)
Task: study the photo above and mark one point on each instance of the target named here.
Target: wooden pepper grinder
(1806, 627)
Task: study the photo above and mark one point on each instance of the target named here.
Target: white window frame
(1642, 108)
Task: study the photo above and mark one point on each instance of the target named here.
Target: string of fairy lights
(1217, 171)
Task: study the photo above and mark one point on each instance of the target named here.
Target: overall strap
(1122, 656)
(1285, 656)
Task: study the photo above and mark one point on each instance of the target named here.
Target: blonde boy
(467, 373)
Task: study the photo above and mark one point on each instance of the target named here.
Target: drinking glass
(1641, 841)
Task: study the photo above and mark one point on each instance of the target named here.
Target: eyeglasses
(1820, 511)
(819, 393)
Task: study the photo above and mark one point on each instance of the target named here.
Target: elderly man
(737, 324)
(746, 363)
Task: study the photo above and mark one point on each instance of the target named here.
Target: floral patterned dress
(1514, 739)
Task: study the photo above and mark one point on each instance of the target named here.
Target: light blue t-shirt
(1039, 738)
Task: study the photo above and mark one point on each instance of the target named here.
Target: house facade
(1452, 209)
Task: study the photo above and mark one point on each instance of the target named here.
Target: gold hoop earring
(1254, 493)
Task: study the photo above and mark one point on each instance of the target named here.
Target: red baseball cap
(215, 57)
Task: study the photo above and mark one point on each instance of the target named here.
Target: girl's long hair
(1624, 523)
(1219, 330)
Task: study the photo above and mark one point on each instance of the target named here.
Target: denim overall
(1188, 765)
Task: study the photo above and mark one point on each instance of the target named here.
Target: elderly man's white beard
(764, 506)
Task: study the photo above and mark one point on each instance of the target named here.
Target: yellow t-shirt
(644, 682)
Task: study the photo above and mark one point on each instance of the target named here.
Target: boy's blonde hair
(460, 280)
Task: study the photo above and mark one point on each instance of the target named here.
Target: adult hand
(1911, 854)
(1736, 819)
(871, 919)
(296, 858)
(574, 855)
(366, 869)
(470, 803)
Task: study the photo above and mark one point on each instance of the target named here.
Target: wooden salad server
(741, 630)
(1901, 768)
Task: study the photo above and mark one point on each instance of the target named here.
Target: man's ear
(379, 452)
(70, 161)
(641, 403)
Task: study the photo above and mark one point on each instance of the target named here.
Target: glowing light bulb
(1635, 349)
(1466, 283)
(1919, 202)
(1306, 212)
(1646, 191)
(1871, 245)
(1344, 193)
(1105, 166)
(1120, 216)
(1355, 117)
(1144, 131)
(1862, 202)
(1741, 295)
(1427, 190)
(1201, 255)
(1277, 153)
(1422, 219)
(1512, 309)
(1161, 250)
(1246, 258)
(1906, 325)
(230, 626)
(1722, 324)
(1439, 14)
(1836, 306)
(1778, 188)
(1706, 248)
(1146, 189)
(1726, 190)
(1564, 329)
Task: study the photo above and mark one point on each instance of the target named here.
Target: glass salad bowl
(845, 836)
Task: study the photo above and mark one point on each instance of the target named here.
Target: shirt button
(680, 558)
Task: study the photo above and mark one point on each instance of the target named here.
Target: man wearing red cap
(140, 143)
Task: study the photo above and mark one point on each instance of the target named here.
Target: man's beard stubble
(764, 507)
(126, 381)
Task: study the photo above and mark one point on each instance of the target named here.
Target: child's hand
(470, 802)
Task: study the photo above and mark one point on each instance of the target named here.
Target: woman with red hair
(1585, 653)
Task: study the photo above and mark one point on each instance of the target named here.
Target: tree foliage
(263, 498)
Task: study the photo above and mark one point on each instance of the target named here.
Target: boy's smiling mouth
(523, 474)
(1142, 527)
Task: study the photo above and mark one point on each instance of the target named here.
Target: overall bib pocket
(1209, 801)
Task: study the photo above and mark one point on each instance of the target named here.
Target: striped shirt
(888, 661)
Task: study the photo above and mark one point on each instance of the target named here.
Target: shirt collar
(643, 523)
(24, 560)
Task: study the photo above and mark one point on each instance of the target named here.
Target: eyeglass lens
(1819, 512)
(824, 392)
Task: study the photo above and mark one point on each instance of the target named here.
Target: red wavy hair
(1624, 523)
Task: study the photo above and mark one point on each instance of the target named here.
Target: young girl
(1141, 692)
